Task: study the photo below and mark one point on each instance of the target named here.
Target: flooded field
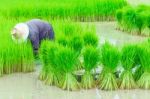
(27, 86)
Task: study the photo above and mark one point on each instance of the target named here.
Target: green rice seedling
(129, 22)
(91, 59)
(86, 10)
(144, 81)
(119, 15)
(146, 24)
(44, 57)
(27, 58)
(63, 40)
(76, 43)
(51, 68)
(90, 38)
(110, 59)
(66, 59)
(128, 61)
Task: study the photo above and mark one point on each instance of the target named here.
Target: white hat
(23, 29)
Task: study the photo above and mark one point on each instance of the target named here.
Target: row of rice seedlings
(66, 60)
(83, 11)
(17, 58)
(62, 65)
(110, 59)
(134, 20)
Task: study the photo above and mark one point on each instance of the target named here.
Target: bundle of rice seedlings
(91, 59)
(130, 20)
(90, 38)
(144, 81)
(52, 73)
(66, 59)
(128, 60)
(109, 59)
(44, 57)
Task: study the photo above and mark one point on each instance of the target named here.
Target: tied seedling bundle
(52, 73)
(44, 48)
(66, 59)
(144, 81)
(110, 58)
(91, 59)
(128, 57)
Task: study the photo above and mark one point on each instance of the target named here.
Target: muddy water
(107, 31)
(27, 86)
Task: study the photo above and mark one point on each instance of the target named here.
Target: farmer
(35, 30)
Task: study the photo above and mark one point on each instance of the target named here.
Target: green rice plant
(134, 19)
(144, 81)
(119, 15)
(27, 58)
(76, 43)
(90, 38)
(63, 40)
(86, 10)
(52, 73)
(66, 59)
(110, 58)
(91, 59)
(146, 24)
(128, 57)
(44, 50)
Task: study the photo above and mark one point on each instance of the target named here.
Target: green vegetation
(75, 9)
(144, 81)
(110, 59)
(135, 20)
(91, 59)
(129, 53)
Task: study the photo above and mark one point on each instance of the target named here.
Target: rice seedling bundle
(91, 59)
(52, 73)
(66, 59)
(144, 81)
(128, 57)
(134, 20)
(110, 59)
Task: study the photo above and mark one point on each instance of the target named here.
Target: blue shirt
(38, 31)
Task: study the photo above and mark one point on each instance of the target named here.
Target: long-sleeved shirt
(38, 31)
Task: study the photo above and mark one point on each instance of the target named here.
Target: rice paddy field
(101, 50)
